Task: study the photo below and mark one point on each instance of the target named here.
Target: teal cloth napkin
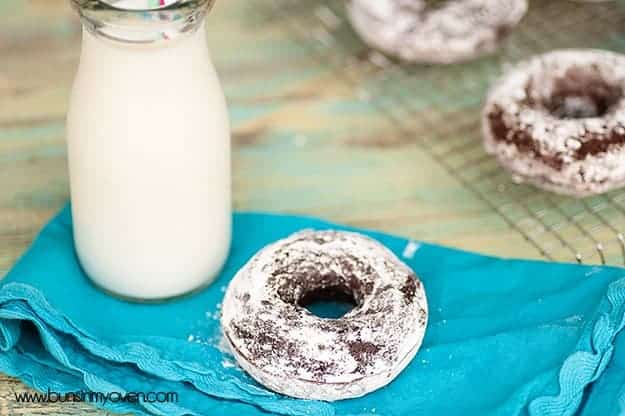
(505, 337)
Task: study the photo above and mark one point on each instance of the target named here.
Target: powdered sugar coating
(291, 351)
(414, 31)
(573, 156)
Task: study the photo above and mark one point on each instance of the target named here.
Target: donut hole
(326, 286)
(328, 302)
(582, 93)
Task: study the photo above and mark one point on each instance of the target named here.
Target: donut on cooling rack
(291, 351)
(558, 121)
(446, 32)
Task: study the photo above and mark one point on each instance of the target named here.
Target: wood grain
(306, 140)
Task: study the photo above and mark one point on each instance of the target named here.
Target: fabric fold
(588, 363)
(64, 344)
(506, 337)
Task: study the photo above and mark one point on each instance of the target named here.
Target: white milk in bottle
(149, 150)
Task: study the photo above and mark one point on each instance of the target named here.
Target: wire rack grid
(437, 108)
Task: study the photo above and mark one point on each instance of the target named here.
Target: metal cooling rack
(438, 108)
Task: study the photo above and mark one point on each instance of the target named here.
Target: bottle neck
(135, 22)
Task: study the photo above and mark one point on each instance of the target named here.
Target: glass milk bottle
(148, 149)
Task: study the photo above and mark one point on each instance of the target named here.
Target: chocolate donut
(291, 351)
(558, 121)
(443, 32)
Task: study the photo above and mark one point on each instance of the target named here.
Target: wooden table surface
(308, 138)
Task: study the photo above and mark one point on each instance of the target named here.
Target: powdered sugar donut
(291, 351)
(558, 121)
(449, 31)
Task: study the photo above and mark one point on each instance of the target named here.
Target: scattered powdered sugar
(411, 249)
(206, 332)
(574, 319)
(219, 342)
(594, 270)
(226, 363)
(412, 30)
(296, 353)
(213, 315)
(199, 339)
